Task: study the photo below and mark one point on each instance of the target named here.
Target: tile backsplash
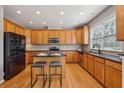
(46, 47)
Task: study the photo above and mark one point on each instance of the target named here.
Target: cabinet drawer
(113, 64)
(100, 60)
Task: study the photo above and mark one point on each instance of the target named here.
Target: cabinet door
(77, 57)
(120, 22)
(57, 34)
(51, 34)
(40, 37)
(28, 36)
(73, 37)
(91, 64)
(113, 77)
(69, 57)
(85, 59)
(99, 72)
(29, 58)
(46, 35)
(85, 35)
(18, 29)
(22, 32)
(68, 37)
(78, 36)
(10, 27)
(34, 37)
(62, 37)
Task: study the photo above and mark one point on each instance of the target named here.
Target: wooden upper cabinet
(68, 37)
(78, 35)
(28, 36)
(120, 22)
(51, 33)
(46, 37)
(34, 37)
(5, 25)
(57, 34)
(10, 27)
(40, 37)
(73, 37)
(85, 35)
(62, 37)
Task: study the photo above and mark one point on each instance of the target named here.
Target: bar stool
(39, 65)
(55, 64)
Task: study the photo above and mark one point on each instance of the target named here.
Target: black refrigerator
(14, 54)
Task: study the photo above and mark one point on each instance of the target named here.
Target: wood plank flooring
(75, 77)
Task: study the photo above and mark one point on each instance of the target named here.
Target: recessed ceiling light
(44, 22)
(30, 22)
(60, 23)
(38, 12)
(61, 13)
(74, 23)
(81, 13)
(19, 12)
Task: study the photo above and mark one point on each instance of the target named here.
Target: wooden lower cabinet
(77, 57)
(29, 58)
(113, 74)
(85, 59)
(91, 64)
(70, 57)
(99, 69)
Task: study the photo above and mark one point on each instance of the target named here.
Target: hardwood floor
(75, 77)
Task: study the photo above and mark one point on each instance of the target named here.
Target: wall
(46, 47)
(1, 44)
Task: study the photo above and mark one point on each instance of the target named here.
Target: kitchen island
(49, 57)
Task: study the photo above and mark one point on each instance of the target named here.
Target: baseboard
(1, 81)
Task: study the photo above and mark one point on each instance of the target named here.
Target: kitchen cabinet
(40, 37)
(78, 35)
(113, 74)
(99, 69)
(28, 36)
(34, 37)
(120, 22)
(46, 37)
(73, 37)
(62, 37)
(85, 35)
(57, 34)
(70, 57)
(10, 27)
(91, 64)
(29, 58)
(5, 25)
(51, 33)
(77, 57)
(68, 37)
(85, 61)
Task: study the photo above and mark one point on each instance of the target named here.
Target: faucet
(98, 47)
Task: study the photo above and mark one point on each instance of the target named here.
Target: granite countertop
(106, 56)
(49, 55)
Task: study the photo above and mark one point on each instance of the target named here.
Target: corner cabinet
(120, 22)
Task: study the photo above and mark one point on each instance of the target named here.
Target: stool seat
(39, 64)
(55, 64)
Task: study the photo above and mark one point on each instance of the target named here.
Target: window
(104, 34)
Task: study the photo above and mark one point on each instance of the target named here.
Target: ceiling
(74, 15)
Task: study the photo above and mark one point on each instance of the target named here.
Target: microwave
(53, 40)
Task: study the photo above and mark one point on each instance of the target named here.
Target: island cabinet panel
(120, 22)
(85, 61)
(68, 37)
(91, 64)
(62, 37)
(113, 74)
(99, 69)
(70, 57)
(29, 59)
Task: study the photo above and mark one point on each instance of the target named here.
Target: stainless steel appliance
(14, 54)
(53, 40)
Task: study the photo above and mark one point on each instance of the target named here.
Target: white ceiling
(51, 14)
